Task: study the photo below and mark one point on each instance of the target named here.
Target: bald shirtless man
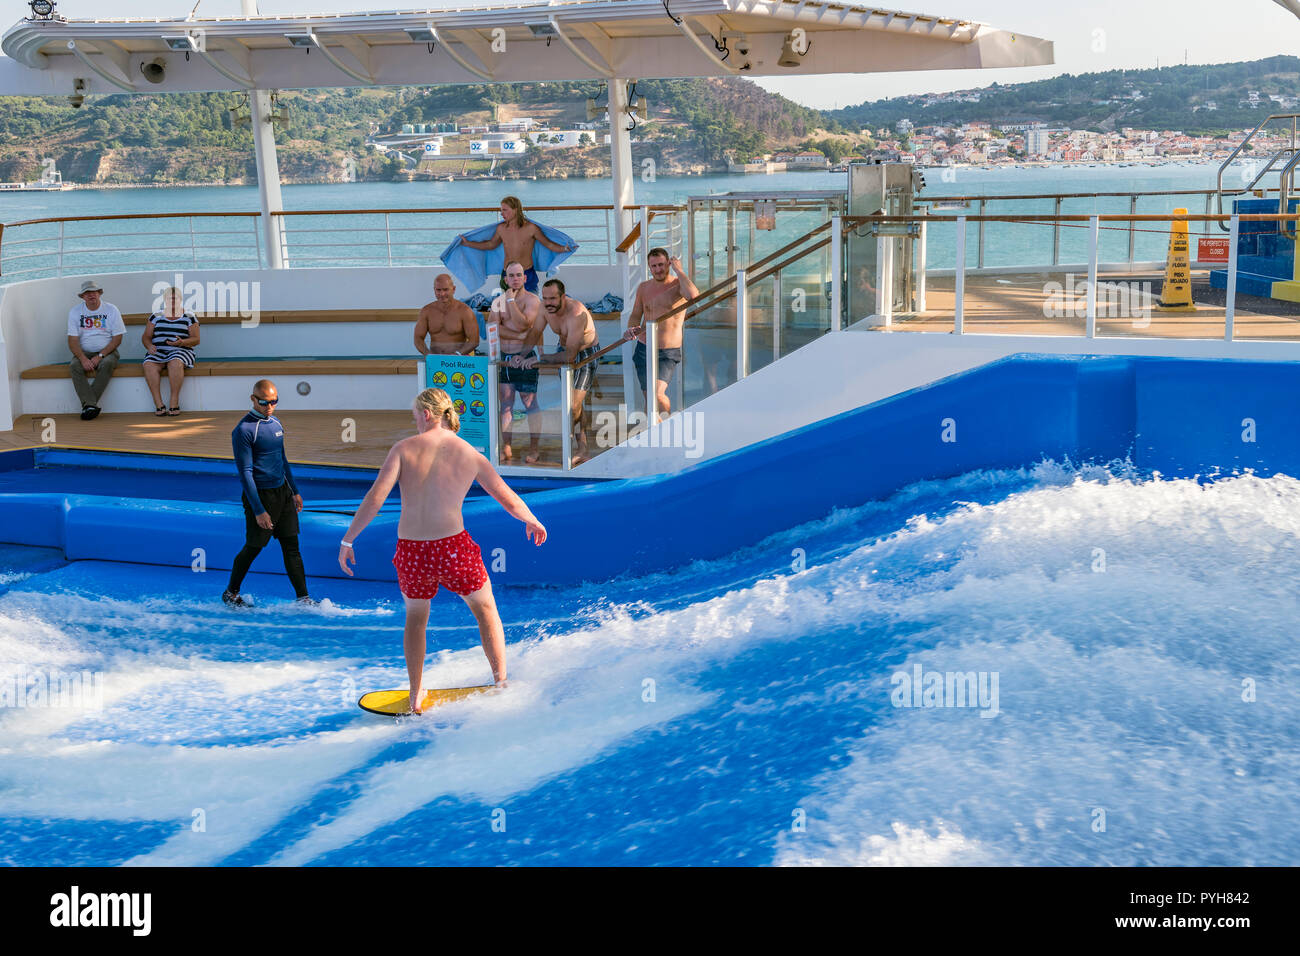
(570, 320)
(656, 297)
(448, 325)
(517, 313)
(435, 469)
(518, 234)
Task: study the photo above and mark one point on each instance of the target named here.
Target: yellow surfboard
(395, 703)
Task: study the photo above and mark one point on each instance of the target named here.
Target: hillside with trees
(178, 138)
(1170, 98)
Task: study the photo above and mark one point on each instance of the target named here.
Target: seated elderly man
(95, 330)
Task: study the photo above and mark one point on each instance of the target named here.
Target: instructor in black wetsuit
(271, 499)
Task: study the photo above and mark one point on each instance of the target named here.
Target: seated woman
(169, 337)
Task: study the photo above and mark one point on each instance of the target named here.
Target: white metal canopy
(498, 41)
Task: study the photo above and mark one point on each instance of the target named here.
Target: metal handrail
(1284, 181)
(1242, 145)
(198, 240)
(993, 198)
(697, 305)
(1268, 168)
(1077, 217)
(136, 215)
(367, 212)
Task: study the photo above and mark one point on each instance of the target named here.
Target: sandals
(159, 411)
(174, 410)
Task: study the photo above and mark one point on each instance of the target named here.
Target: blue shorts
(530, 281)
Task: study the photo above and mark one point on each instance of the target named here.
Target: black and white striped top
(166, 331)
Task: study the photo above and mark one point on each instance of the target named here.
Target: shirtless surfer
(435, 469)
(656, 297)
(572, 322)
(518, 233)
(448, 325)
(517, 314)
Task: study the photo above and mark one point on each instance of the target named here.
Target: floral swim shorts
(454, 562)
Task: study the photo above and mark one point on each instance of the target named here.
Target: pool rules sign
(465, 380)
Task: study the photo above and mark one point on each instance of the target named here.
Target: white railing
(46, 248)
(393, 237)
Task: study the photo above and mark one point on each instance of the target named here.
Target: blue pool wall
(1178, 417)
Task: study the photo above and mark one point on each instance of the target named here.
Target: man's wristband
(346, 544)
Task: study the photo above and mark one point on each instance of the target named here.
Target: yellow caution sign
(1176, 294)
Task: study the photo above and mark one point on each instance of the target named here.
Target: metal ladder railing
(1286, 174)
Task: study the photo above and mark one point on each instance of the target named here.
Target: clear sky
(1090, 35)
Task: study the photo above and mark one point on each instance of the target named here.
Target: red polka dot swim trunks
(454, 562)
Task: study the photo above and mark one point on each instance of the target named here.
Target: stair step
(1278, 267)
(1248, 283)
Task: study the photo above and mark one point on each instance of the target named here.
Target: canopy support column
(620, 145)
(268, 167)
(268, 178)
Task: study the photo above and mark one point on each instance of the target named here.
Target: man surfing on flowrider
(435, 470)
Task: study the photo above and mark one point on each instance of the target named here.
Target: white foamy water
(1125, 735)
(1124, 620)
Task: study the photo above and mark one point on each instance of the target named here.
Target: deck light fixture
(542, 28)
(42, 9)
(155, 71)
(304, 40)
(181, 44)
(421, 34)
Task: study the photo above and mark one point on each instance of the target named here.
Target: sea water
(1139, 633)
(1004, 244)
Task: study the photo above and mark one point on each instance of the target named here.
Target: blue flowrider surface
(1177, 416)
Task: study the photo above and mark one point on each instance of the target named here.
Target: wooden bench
(283, 316)
(278, 316)
(263, 368)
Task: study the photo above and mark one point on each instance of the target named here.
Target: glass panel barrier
(325, 239)
(804, 312)
(932, 305)
(1128, 299)
(708, 353)
(528, 421)
(1023, 303)
(761, 312)
(1021, 243)
(602, 421)
(144, 244)
(1267, 301)
(598, 415)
